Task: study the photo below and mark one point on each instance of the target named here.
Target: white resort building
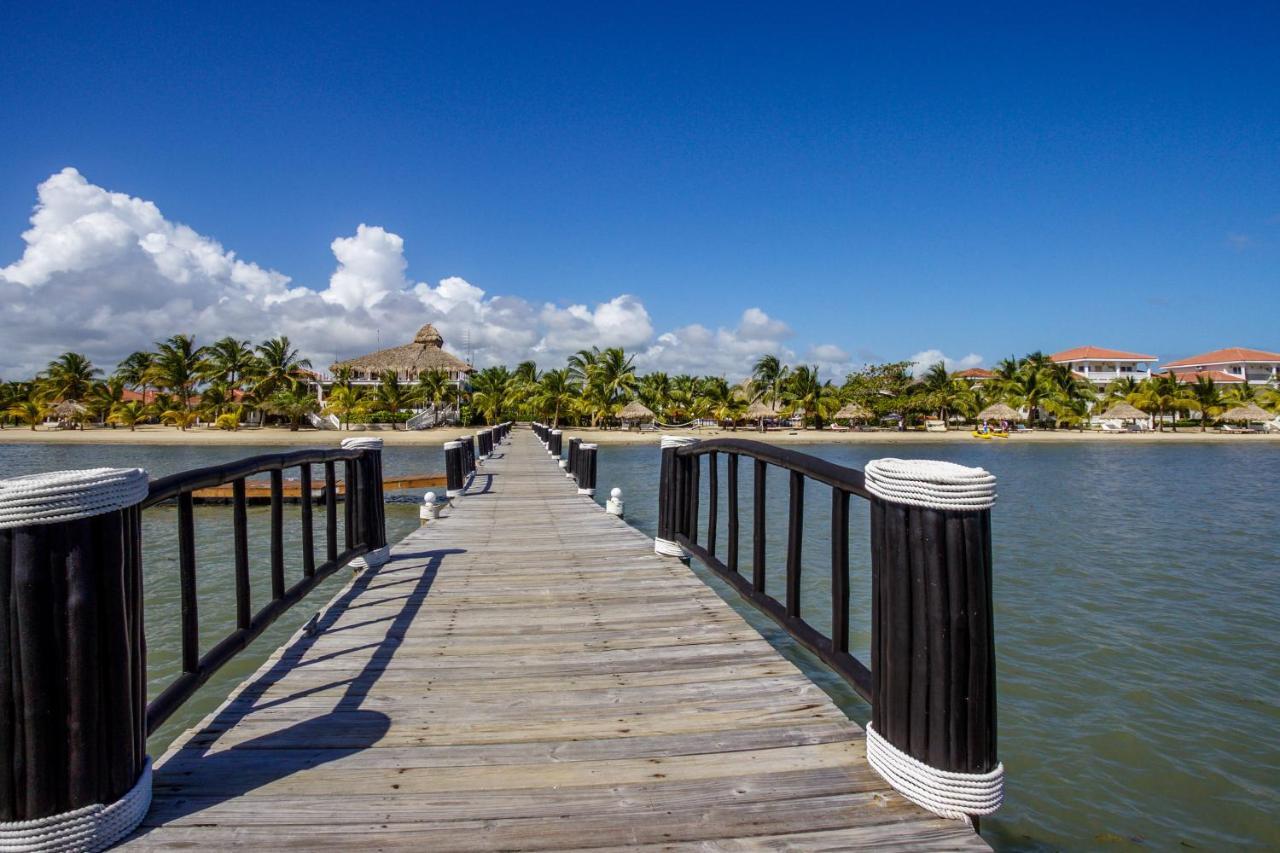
(1102, 366)
(1231, 365)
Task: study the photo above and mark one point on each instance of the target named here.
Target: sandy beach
(162, 435)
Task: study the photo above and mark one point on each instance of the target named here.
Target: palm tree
(31, 411)
(683, 397)
(128, 414)
(294, 401)
(1240, 393)
(1123, 389)
(434, 387)
(136, 371)
(177, 368)
(489, 392)
(391, 395)
(722, 401)
(278, 363)
(654, 390)
(1208, 399)
(230, 362)
(345, 401)
(104, 396)
(1025, 390)
(69, 377)
(768, 376)
(1164, 393)
(555, 393)
(181, 418)
(612, 380)
(215, 399)
(1070, 398)
(806, 392)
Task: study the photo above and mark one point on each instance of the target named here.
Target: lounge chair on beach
(1236, 428)
(1114, 426)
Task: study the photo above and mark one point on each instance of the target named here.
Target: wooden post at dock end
(675, 474)
(584, 469)
(932, 639)
(453, 468)
(73, 675)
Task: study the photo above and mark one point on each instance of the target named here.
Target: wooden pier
(525, 673)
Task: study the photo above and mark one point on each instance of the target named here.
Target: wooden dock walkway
(526, 674)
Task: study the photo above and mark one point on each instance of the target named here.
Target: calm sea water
(1137, 611)
(1137, 594)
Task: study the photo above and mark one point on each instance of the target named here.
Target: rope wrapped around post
(554, 446)
(584, 469)
(932, 734)
(671, 516)
(371, 513)
(74, 774)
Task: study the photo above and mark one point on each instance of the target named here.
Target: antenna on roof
(467, 344)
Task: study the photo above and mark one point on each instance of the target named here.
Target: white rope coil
(930, 483)
(84, 830)
(361, 443)
(372, 559)
(68, 495)
(667, 548)
(677, 441)
(945, 793)
(453, 445)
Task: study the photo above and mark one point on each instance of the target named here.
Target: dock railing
(931, 680)
(74, 716)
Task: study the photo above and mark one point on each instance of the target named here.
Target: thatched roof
(1249, 412)
(69, 409)
(425, 353)
(636, 411)
(852, 411)
(760, 410)
(999, 412)
(1125, 412)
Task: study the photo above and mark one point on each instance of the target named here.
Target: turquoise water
(1137, 604)
(1137, 615)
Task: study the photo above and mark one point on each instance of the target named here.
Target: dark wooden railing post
(453, 468)
(370, 514)
(570, 457)
(72, 660)
(585, 469)
(672, 475)
(484, 438)
(555, 445)
(932, 643)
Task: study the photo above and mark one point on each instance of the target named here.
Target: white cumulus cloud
(106, 273)
(923, 360)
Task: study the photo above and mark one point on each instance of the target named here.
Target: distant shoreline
(162, 435)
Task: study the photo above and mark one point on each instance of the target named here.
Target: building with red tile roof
(977, 374)
(1241, 364)
(1102, 366)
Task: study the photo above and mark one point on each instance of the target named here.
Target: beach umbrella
(999, 412)
(1125, 412)
(1250, 412)
(636, 411)
(853, 412)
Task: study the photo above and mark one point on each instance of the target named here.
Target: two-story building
(1102, 366)
(1233, 364)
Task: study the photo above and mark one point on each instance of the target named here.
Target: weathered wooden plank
(526, 674)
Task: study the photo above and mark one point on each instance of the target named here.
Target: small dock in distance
(525, 673)
(259, 491)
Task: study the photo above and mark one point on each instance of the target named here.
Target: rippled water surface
(1137, 621)
(1137, 616)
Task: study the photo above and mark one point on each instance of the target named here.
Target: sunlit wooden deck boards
(526, 674)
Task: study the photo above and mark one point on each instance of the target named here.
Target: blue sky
(884, 181)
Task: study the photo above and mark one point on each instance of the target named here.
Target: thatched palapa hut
(852, 412)
(635, 412)
(1246, 413)
(1124, 412)
(425, 354)
(999, 412)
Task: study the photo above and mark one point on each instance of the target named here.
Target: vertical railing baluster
(713, 497)
(839, 570)
(277, 534)
(240, 540)
(695, 472)
(349, 495)
(733, 511)
(187, 580)
(331, 512)
(795, 543)
(308, 533)
(757, 528)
